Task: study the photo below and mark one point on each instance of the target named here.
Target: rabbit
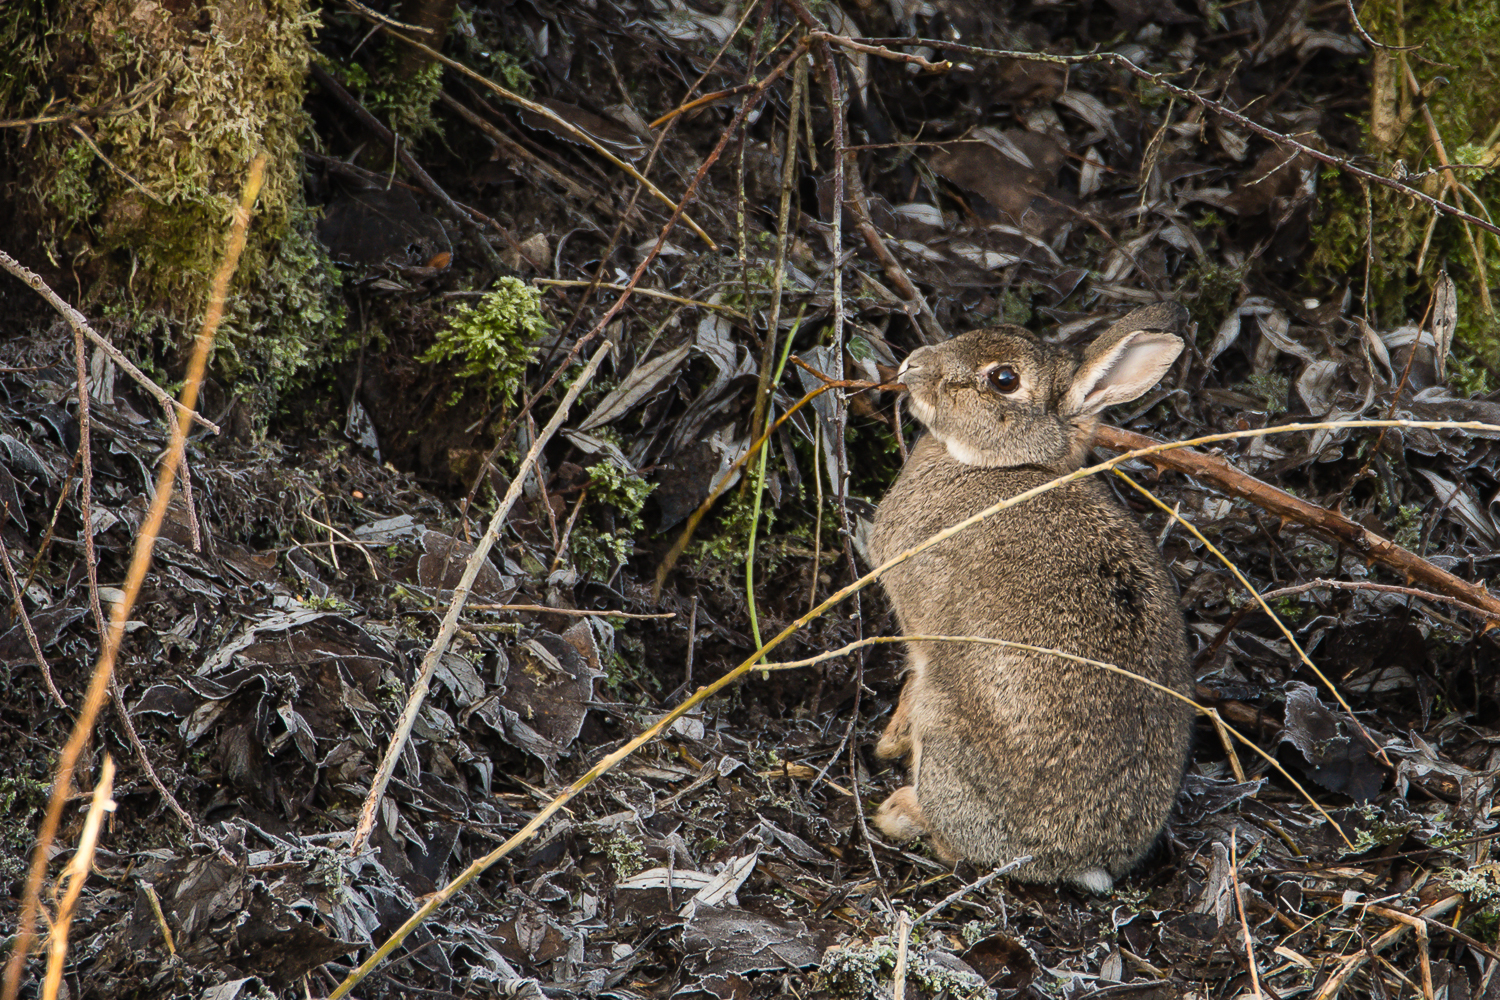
(1015, 753)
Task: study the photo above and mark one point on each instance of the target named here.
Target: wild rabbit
(1016, 753)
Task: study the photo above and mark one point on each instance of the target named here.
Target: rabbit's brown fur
(1015, 753)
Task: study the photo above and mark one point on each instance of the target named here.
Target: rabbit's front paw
(895, 742)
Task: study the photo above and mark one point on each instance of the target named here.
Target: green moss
(626, 855)
(732, 532)
(400, 98)
(1406, 526)
(1210, 290)
(1268, 387)
(22, 800)
(1484, 926)
(1457, 42)
(73, 187)
(857, 971)
(29, 35)
(494, 340)
(601, 548)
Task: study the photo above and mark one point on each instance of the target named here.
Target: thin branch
(574, 612)
(1383, 588)
(1360, 28)
(76, 874)
(652, 292)
(117, 696)
(963, 891)
(903, 943)
(1239, 905)
(1355, 962)
(36, 646)
(881, 51)
(86, 481)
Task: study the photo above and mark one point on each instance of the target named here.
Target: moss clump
(606, 543)
(1457, 41)
(1268, 387)
(626, 855)
(184, 96)
(856, 971)
(494, 340)
(403, 99)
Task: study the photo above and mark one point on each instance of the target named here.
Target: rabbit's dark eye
(1005, 379)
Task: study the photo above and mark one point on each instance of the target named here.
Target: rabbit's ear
(1117, 369)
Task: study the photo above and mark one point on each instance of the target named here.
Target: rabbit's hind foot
(1095, 880)
(900, 817)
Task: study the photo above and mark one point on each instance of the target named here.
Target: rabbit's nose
(913, 362)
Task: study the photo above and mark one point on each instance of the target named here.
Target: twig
(567, 611)
(140, 562)
(363, 548)
(1353, 963)
(1419, 928)
(859, 206)
(74, 876)
(455, 608)
(161, 918)
(882, 52)
(78, 322)
(1479, 946)
(117, 696)
(698, 102)
(1360, 28)
(652, 292)
(36, 646)
(85, 481)
(974, 886)
(1228, 479)
(113, 166)
(574, 186)
(903, 942)
(760, 488)
(1239, 905)
(1384, 588)
(778, 272)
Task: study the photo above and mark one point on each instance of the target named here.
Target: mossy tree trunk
(126, 193)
